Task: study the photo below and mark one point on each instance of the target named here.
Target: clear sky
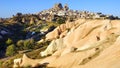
(11, 7)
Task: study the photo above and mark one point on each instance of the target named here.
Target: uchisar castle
(60, 37)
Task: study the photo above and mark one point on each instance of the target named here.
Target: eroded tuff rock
(87, 44)
(58, 6)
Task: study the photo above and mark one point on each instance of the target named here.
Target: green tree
(10, 50)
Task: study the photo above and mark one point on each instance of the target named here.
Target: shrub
(9, 41)
(25, 44)
(28, 44)
(20, 44)
(60, 21)
(10, 50)
(31, 41)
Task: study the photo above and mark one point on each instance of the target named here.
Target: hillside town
(65, 11)
(56, 12)
(48, 38)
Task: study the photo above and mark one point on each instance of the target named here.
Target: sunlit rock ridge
(82, 44)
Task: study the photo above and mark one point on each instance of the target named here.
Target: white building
(61, 13)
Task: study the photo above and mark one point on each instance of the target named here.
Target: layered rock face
(83, 44)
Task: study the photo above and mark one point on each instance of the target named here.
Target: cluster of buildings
(56, 12)
(60, 11)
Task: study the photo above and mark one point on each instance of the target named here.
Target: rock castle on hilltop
(59, 10)
(56, 13)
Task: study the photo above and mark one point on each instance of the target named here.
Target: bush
(20, 44)
(10, 50)
(25, 44)
(9, 41)
(28, 44)
(61, 20)
(32, 41)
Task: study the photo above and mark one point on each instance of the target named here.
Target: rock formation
(32, 21)
(66, 7)
(54, 46)
(25, 61)
(60, 31)
(58, 6)
(86, 44)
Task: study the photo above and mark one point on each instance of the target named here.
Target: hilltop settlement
(50, 37)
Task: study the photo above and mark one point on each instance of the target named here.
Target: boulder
(54, 46)
(25, 61)
(17, 62)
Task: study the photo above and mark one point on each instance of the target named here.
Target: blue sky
(11, 7)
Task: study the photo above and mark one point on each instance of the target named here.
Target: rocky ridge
(86, 43)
